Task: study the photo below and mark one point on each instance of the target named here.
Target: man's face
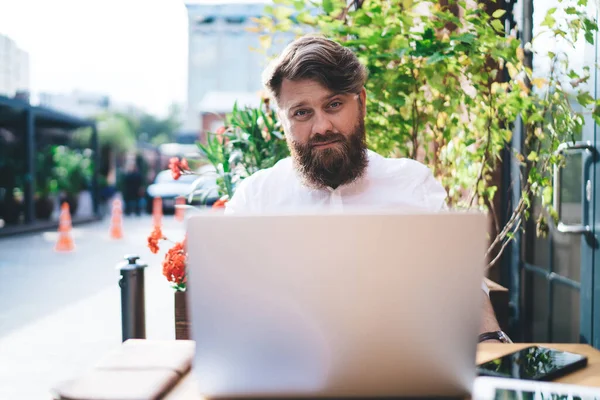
(325, 132)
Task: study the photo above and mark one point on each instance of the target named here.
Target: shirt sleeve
(434, 193)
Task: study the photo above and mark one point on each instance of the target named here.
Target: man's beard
(338, 165)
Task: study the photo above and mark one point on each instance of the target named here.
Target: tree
(446, 83)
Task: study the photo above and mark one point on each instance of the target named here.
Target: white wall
(14, 67)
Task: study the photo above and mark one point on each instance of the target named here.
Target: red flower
(184, 165)
(177, 167)
(174, 264)
(153, 239)
(174, 167)
(219, 203)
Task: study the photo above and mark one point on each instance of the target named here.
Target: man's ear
(363, 100)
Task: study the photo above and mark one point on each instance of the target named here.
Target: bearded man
(318, 87)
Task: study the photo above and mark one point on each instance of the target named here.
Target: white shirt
(398, 183)
(387, 182)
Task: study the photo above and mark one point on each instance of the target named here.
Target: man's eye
(301, 113)
(335, 104)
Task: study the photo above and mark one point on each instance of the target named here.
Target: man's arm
(489, 323)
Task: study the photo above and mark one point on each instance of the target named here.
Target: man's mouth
(326, 144)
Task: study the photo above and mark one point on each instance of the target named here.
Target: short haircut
(316, 58)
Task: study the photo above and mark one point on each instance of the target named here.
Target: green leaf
(547, 195)
(571, 10)
(498, 13)
(305, 18)
(497, 25)
(468, 38)
(327, 6)
(436, 57)
(533, 156)
(589, 37)
(282, 12)
(265, 41)
(585, 99)
(549, 21)
(363, 19)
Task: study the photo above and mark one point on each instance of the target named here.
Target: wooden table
(146, 369)
(187, 388)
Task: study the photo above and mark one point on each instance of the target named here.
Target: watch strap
(495, 335)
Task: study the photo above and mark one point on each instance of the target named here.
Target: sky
(135, 51)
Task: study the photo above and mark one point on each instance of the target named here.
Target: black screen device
(533, 363)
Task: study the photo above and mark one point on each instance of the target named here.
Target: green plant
(251, 140)
(446, 84)
(72, 169)
(45, 184)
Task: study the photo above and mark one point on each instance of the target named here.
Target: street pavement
(60, 313)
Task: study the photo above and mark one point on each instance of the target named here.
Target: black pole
(96, 163)
(133, 308)
(29, 189)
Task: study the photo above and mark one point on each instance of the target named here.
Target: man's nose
(321, 124)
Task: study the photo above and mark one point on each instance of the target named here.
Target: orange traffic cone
(116, 221)
(157, 211)
(64, 242)
(179, 211)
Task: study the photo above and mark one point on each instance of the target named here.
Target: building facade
(223, 56)
(85, 104)
(14, 68)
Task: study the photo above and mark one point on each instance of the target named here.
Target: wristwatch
(496, 335)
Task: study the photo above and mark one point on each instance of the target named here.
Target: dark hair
(320, 59)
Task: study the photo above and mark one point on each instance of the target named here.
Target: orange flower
(174, 264)
(177, 167)
(174, 167)
(221, 137)
(219, 203)
(153, 239)
(183, 165)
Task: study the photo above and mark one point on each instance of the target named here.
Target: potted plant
(46, 186)
(72, 171)
(251, 140)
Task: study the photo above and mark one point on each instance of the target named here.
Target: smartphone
(533, 363)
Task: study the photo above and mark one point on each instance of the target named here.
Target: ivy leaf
(498, 13)
(547, 195)
(497, 25)
(533, 156)
(467, 38)
(436, 57)
(571, 10)
(363, 19)
(282, 13)
(549, 21)
(265, 41)
(539, 82)
(585, 99)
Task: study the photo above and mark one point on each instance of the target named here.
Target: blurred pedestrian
(133, 191)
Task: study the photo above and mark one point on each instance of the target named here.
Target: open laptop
(354, 304)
